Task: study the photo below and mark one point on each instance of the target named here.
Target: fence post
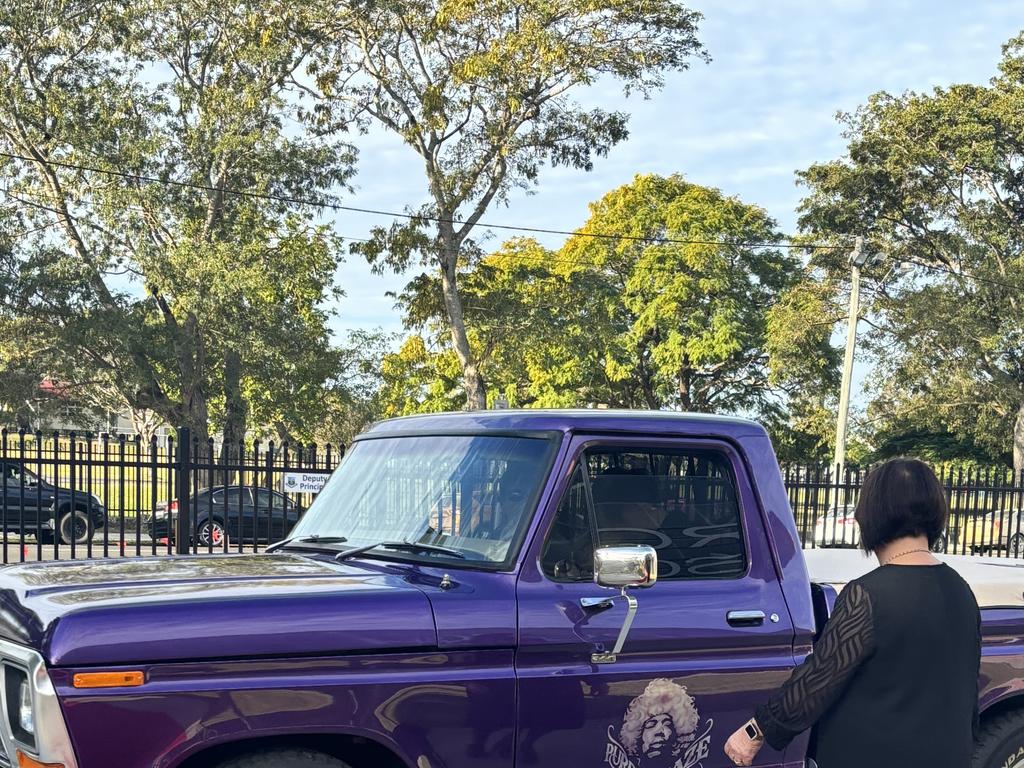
(183, 529)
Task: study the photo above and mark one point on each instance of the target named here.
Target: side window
(265, 498)
(238, 495)
(12, 474)
(681, 502)
(569, 550)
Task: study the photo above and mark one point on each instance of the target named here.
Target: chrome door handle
(745, 618)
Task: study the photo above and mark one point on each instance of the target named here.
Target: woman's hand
(742, 749)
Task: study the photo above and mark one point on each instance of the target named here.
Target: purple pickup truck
(476, 590)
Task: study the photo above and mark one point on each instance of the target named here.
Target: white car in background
(838, 528)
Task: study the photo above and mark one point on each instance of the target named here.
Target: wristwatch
(752, 730)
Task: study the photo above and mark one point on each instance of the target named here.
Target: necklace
(904, 554)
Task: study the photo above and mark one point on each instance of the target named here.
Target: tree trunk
(646, 377)
(476, 390)
(145, 423)
(234, 409)
(23, 419)
(647, 386)
(686, 389)
(194, 408)
(284, 435)
(1018, 442)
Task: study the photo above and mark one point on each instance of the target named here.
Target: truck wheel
(75, 526)
(1001, 742)
(285, 758)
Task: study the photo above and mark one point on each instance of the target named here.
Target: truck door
(710, 639)
(20, 498)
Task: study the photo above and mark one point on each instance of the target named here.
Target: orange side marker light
(108, 679)
(24, 761)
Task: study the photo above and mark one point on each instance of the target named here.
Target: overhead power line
(413, 216)
(968, 275)
(483, 225)
(535, 258)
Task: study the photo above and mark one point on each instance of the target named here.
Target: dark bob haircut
(901, 497)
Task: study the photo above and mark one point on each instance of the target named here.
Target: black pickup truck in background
(33, 506)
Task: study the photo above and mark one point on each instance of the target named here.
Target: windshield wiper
(402, 546)
(303, 542)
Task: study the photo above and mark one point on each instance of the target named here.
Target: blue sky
(763, 108)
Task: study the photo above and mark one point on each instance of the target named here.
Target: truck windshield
(473, 494)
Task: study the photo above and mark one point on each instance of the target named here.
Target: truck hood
(208, 607)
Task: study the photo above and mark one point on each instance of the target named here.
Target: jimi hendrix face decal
(661, 729)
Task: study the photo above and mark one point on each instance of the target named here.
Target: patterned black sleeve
(815, 685)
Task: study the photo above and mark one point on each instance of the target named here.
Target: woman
(893, 680)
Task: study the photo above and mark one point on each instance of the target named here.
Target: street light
(858, 259)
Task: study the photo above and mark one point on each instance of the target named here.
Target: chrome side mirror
(621, 568)
(625, 567)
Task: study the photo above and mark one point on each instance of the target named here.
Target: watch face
(751, 731)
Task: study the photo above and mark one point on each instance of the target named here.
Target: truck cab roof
(567, 420)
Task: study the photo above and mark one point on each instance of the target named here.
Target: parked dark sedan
(34, 506)
(233, 511)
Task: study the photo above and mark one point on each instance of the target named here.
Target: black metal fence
(80, 495)
(985, 508)
(73, 495)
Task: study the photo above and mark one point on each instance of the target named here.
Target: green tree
(354, 398)
(419, 379)
(668, 307)
(933, 180)
(526, 344)
(684, 297)
(190, 301)
(804, 367)
(482, 92)
(901, 434)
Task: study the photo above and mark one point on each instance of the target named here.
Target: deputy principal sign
(304, 482)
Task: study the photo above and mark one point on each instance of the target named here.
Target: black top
(893, 680)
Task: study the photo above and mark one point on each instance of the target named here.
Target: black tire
(207, 528)
(74, 525)
(1001, 742)
(285, 758)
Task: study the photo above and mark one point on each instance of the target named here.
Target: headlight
(25, 713)
(33, 719)
(21, 715)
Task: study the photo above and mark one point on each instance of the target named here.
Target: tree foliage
(482, 92)
(934, 181)
(630, 318)
(191, 301)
